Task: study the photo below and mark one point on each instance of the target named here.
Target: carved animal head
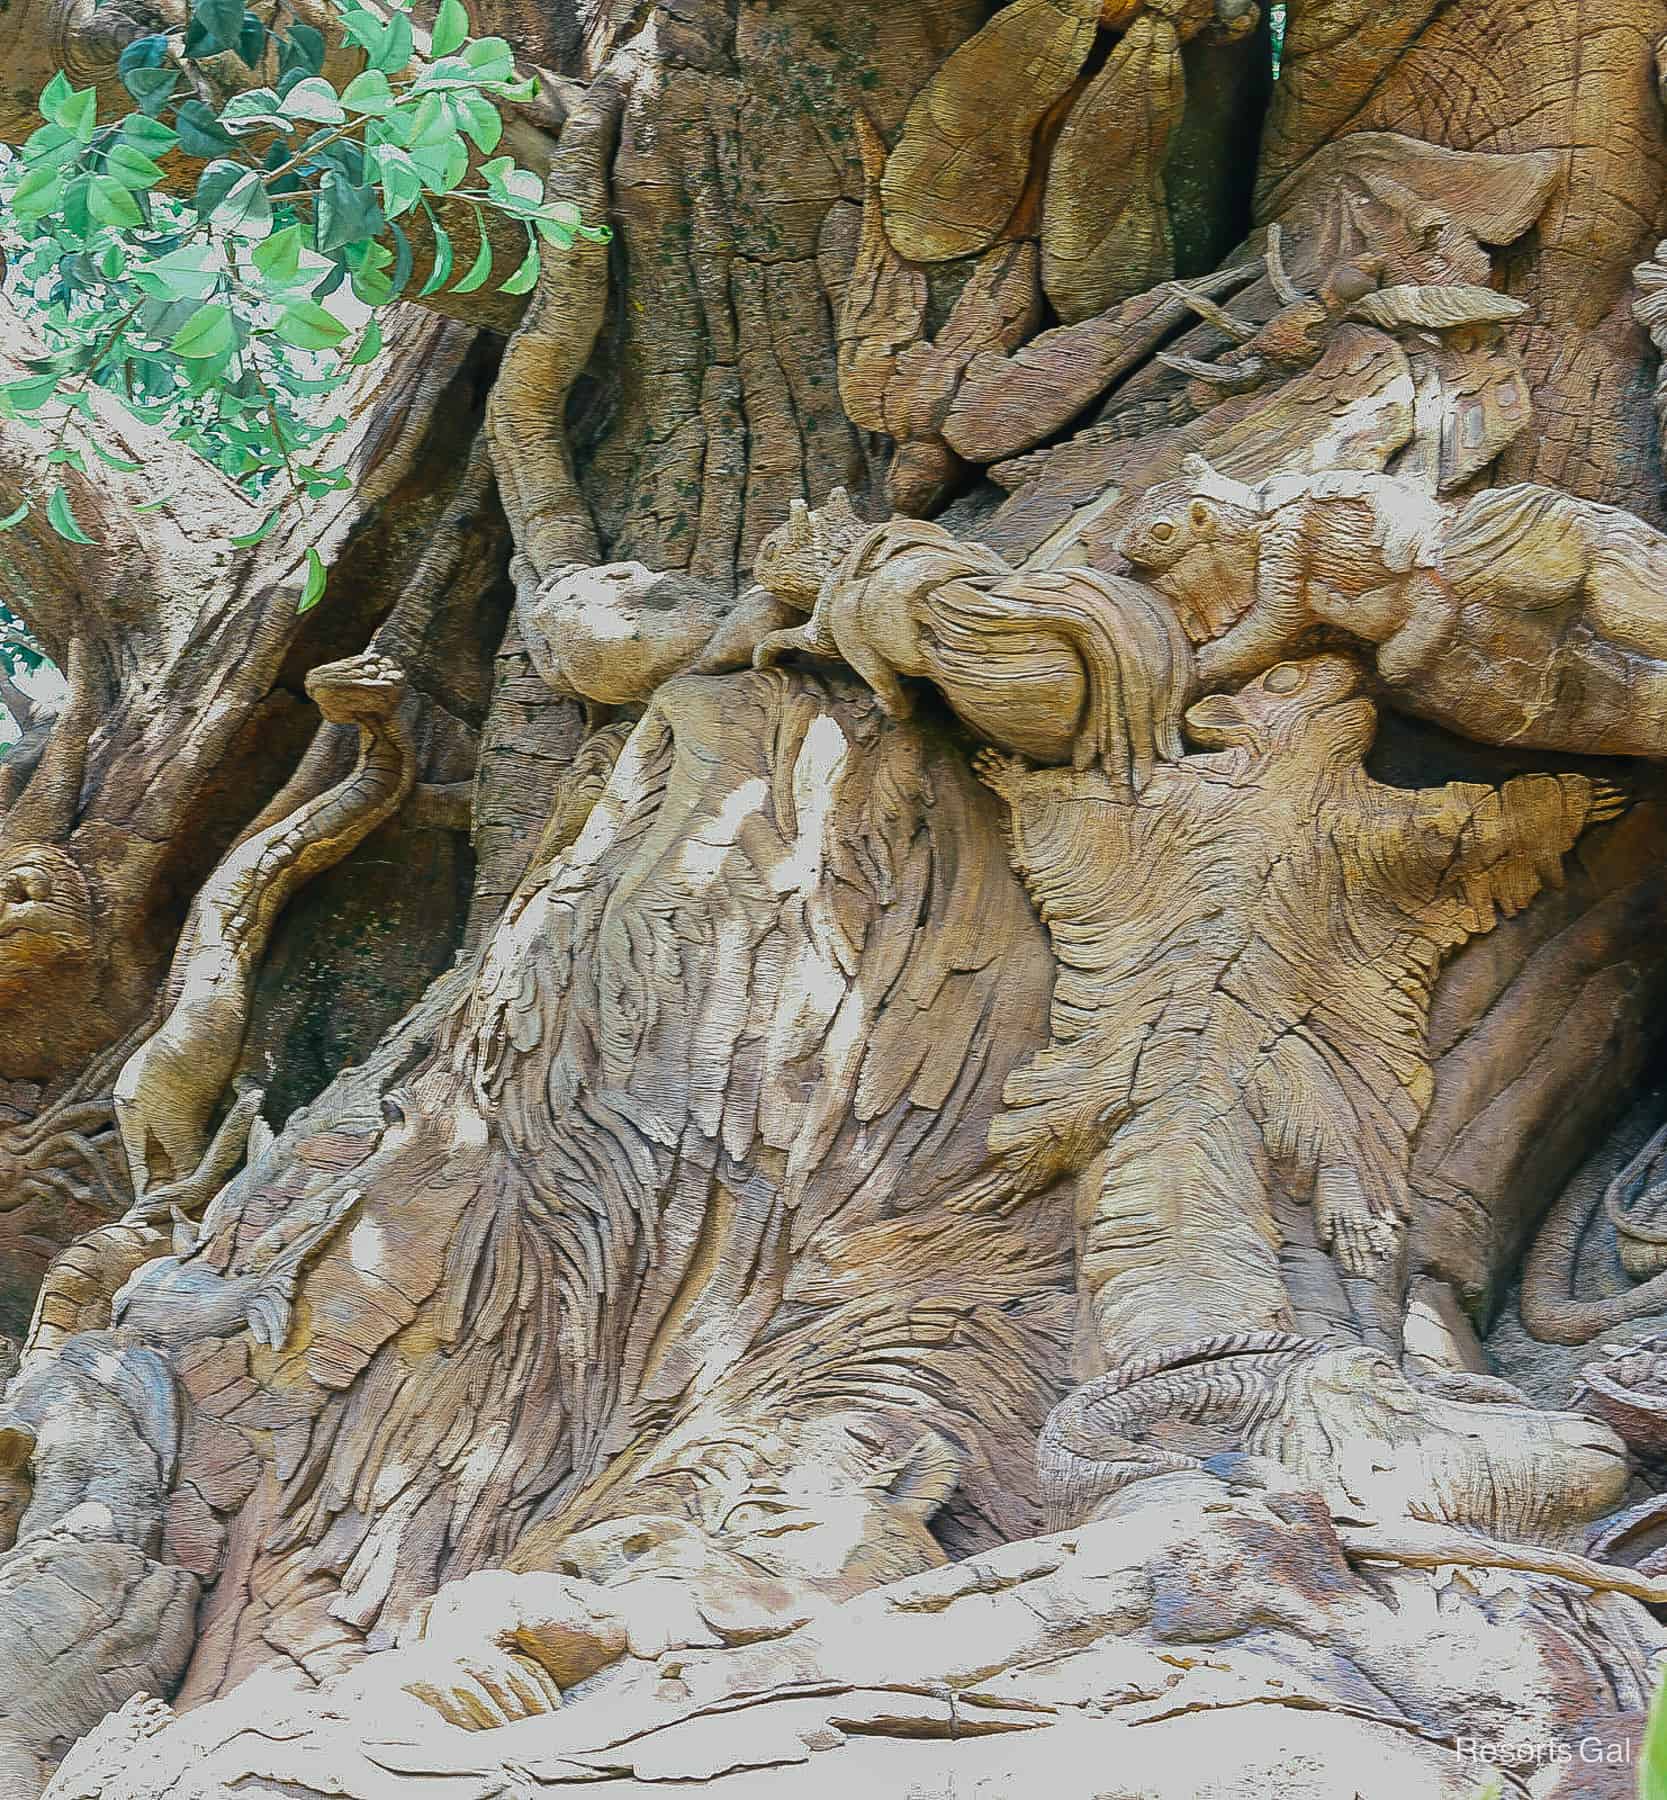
(100, 1424)
(795, 559)
(358, 690)
(840, 1504)
(46, 910)
(1192, 511)
(1311, 704)
(1343, 1421)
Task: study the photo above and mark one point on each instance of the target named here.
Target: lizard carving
(1246, 952)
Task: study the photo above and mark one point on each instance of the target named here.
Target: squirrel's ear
(1216, 719)
(1203, 514)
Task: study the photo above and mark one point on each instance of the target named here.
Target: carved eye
(1284, 678)
(1163, 530)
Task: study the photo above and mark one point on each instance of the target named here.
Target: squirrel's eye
(1284, 678)
(1163, 530)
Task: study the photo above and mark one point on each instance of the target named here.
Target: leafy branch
(233, 316)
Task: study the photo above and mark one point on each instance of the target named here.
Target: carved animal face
(1293, 702)
(358, 690)
(1195, 510)
(1352, 1422)
(795, 559)
(45, 910)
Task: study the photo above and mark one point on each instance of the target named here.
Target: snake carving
(168, 1089)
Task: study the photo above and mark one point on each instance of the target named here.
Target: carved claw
(999, 771)
(779, 644)
(1237, 376)
(1608, 802)
(1207, 310)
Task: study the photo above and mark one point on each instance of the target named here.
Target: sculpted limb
(1359, 1228)
(168, 1089)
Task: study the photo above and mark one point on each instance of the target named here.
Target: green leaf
(371, 281)
(279, 258)
(75, 109)
(39, 192)
(368, 92)
(149, 135)
(132, 168)
(368, 348)
(111, 204)
(154, 506)
(402, 186)
(15, 518)
(312, 590)
(451, 27)
(481, 267)
(306, 325)
(394, 51)
(304, 49)
(522, 280)
(248, 539)
(490, 58)
(1652, 1772)
(257, 110)
(191, 272)
(315, 101)
(481, 120)
(245, 212)
(442, 257)
(345, 214)
(151, 88)
(61, 453)
(29, 395)
(62, 520)
(200, 132)
(215, 26)
(115, 462)
(209, 332)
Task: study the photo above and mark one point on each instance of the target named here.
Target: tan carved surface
(944, 1077)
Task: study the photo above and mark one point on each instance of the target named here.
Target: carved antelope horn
(44, 813)
(1207, 310)
(1225, 375)
(1090, 1445)
(1287, 290)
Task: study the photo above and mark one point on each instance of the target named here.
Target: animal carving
(168, 1088)
(1247, 950)
(178, 1299)
(1520, 615)
(1343, 1421)
(1632, 1209)
(1061, 666)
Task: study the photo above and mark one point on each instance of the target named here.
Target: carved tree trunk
(891, 1151)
